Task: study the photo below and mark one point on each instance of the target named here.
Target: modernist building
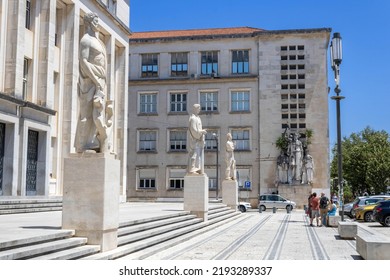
(39, 68)
(252, 83)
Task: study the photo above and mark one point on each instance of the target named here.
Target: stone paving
(266, 236)
(253, 236)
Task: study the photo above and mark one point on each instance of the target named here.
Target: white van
(274, 200)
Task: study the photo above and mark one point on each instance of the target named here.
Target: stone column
(91, 198)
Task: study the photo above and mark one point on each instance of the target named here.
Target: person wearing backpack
(324, 201)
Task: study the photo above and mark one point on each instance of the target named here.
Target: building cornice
(210, 35)
(118, 22)
(190, 80)
(24, 103)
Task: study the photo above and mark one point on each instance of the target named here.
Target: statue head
(229, 136)
(196, 109)
(91, 20)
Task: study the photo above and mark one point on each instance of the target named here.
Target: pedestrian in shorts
(315, 210)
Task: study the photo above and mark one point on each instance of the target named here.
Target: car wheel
(262, 208)
(386, 221)
(289, 208)
(242, 208)
(368, 217)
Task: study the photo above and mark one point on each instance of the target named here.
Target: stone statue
(282, 168)
(295, 151)
(95, 113)
(230, 173)
(309, 169)
(197, 142)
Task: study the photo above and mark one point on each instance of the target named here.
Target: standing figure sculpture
(197, 142)
(95, 112)
(230, 173)
(282, 168)
(309, 168)
(295, 151)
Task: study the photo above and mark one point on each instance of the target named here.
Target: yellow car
(365, 212)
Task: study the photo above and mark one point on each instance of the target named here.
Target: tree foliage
(366, 160)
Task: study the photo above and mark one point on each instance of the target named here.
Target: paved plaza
(252, 236)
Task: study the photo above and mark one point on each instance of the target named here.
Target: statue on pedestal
(95, 113)
(197, 142)
(309, 169)
(296, 151)
(230, 173)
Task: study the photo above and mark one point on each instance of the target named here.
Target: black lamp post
(216, 167)
(336, 57)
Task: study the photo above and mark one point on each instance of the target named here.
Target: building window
(149, 66)
(209, 62)
(26, 65)
(28, 14)
(177, 140)
(209, 101)
(176, 178)
(179, 64)
(240, 62)
(210, 141)
(178, 102)
(148, 103)
(241, 138)
(147, 140)
(212, 174)
(147, 179)
(239, 101)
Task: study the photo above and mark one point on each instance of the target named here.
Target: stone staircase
(136, 239)
(29, 205)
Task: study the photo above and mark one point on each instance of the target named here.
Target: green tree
(366, 160)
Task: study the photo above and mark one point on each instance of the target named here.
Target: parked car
(366, 200)
(274, 200)
(381, 213)
(244, 206)
(365, 212)
(347, 209)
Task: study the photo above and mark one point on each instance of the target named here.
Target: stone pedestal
(230, 193)
(91, 198)
(348, 230)
(196, 195)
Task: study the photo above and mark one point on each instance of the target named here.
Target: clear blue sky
(364, 27)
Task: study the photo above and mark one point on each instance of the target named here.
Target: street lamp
(216, 167)
(336, 57)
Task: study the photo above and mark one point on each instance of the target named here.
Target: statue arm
(195, 132)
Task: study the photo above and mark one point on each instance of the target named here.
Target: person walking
(324, 201)
(315, 209)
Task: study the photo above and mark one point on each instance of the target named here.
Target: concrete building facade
(252, 83)
(39, 68)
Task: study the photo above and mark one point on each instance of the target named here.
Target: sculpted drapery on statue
(230, 173)
(197, 142)
(95, 112)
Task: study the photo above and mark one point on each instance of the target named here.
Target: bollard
(274, 210)
(288, 208)
(260, 209)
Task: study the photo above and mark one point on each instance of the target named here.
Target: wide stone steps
(136, 239)
(29, 205)
(148, 237)
(46, 248)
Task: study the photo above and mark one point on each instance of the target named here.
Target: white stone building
(39, 68)
(250, 82)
